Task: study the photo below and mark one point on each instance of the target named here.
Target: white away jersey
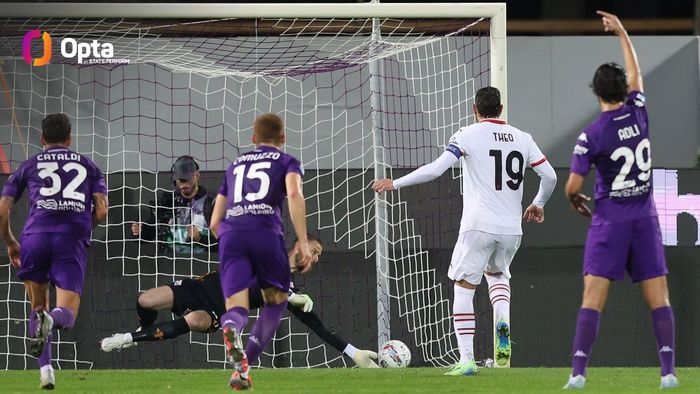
(495, 157)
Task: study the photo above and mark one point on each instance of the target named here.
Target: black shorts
(191, 295)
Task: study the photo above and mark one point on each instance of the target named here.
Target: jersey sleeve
(295, 166)
(223, 189)
(584, 152)
(535, 156)
(16, 183)
(457, 146)
(639, 101)
(98, 181)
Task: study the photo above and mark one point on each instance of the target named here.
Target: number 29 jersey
(495, 157)
(255, 189)
(617, 143)
(60, 186)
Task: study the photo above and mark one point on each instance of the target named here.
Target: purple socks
(63, 318)
(586, 331)
(665, 330)
(264, 329)
(236, 318)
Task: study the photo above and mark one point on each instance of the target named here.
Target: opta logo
(27, 48)
(94, 52)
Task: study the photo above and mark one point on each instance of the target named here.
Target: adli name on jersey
(628, 132)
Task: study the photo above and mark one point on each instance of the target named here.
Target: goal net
(360, 97)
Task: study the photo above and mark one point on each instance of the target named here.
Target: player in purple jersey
(247, 220)
(624, 234)
(67, 198)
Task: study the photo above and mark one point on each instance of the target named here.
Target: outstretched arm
(634, 75)
(420, 175)
(363, 358)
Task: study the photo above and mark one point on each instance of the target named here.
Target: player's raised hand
(383, 185)
(13, 253)
(578, 203)
(611, 22)
(365, 359)
(533, 212)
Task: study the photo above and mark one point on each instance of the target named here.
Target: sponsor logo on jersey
(47, 204)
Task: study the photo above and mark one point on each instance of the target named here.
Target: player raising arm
(247, 220)
(67, 198)
(494, 158)
(624, 232)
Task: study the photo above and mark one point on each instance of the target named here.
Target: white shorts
(477, 252)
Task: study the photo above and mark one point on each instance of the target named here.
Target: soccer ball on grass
(394, 354)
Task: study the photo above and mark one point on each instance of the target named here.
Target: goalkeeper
(199, 303)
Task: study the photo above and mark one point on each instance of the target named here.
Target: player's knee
(199, 321)
(146, 300)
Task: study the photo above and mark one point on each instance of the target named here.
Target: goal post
(411, 68)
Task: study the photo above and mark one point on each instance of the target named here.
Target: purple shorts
(247, 255)
(56, 257)
(633, 245)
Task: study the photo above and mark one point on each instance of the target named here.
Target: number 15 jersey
(495, 157)
(255, 189)
(617, 143)
(61, 184)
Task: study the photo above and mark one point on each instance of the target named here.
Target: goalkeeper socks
(665, 330)
(264, 329)
(464, 322)
(63, 318)
(587, 326)
(161, 331)
(146, 316)
(45, 356)
(499, 293)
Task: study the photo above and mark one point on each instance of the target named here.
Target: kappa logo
(254, 339)
(580, 353)
(666, 349)
(583, 137)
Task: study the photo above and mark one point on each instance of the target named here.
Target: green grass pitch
(410, 380)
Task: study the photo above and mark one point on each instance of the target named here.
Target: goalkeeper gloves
(302, 301)
(365, 359)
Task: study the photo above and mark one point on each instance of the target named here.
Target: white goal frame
(495, 12)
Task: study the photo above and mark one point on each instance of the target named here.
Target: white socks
(464, 322)
(499, 293)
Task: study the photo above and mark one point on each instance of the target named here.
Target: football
(394, 354)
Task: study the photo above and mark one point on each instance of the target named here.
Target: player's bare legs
(499, 294)
(464, 321)
(595, 294)
(656, 295)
